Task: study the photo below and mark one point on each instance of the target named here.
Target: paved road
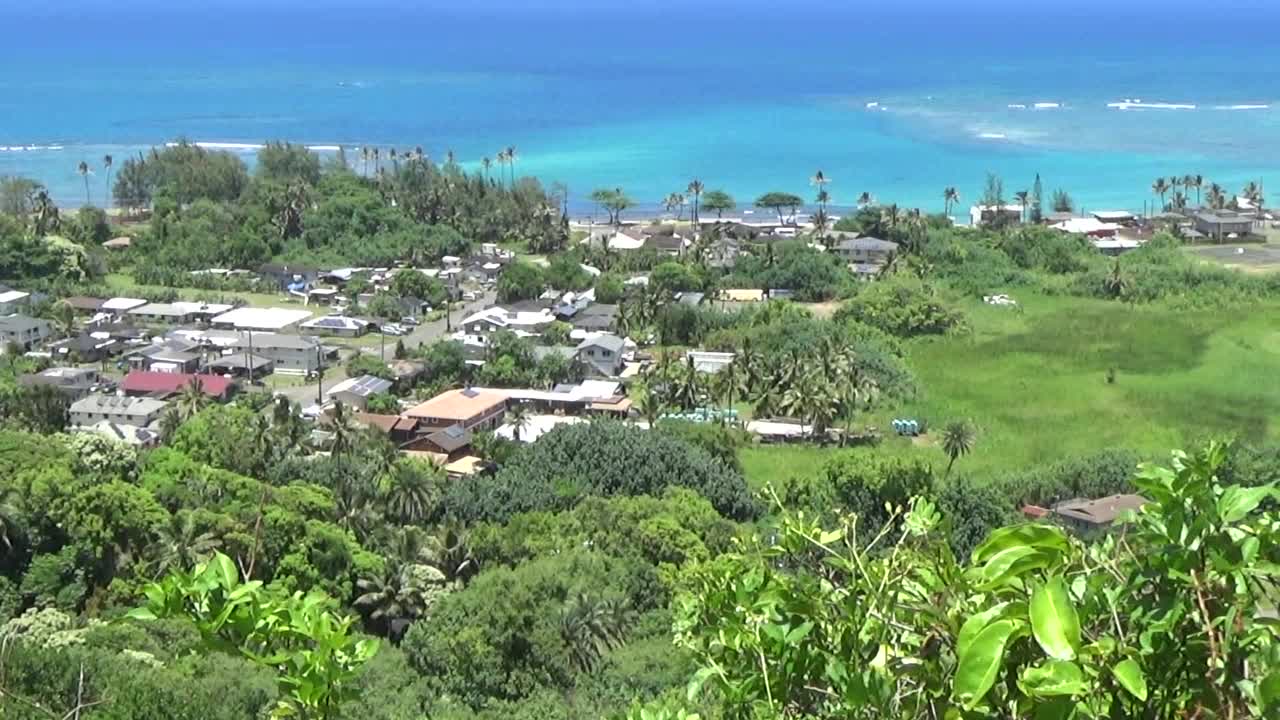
(424, 334)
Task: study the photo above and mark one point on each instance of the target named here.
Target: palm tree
(448, 550)
(865, 200)
(591, 627)
(107, 162)
(1023, 196)
(519, 419)
(695, 189)
(1253, 193)
(83, 169)
(377, 162)
(485, 163)
(1160, 187)
(684, 387)
(511, 163)
(958, 438)
(46, 214)
(191, 400)
(364, 160)
(395, 161)
(344, 429)
(650, 403)
(392, 598)
(1116, 283)
(410, 492)
(950, 197)
(1198, 182)
(1216, 197)
(181, 545)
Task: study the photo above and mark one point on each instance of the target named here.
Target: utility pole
(319, 376)
(248, 359)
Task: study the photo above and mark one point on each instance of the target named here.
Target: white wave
(992, 136)
(871, 105)
(1047, 105)
(28, 148)
(1017, 106)
(222, 145)
(1242, 107)
(1139, 105)
(324, 148)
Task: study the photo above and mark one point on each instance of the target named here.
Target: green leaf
(976, 624)
(830, 536)
(697, 681)
(799, 633)
(1236, 502)
(980, 664)
(226, 571)
(1130, 676)
(1054, 621)
(1010, 562)
(1045, 537)
(1269, 691)
(1054, 678)
(141, 613)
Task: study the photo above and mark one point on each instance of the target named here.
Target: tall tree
(950, 196)
(958, 438)
(1037, 200)
(107, 162)
(777, 201)
(718, 201)
(695, 189)
(83, 170)
(1160, 187)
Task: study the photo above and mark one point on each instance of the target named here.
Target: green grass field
(1034, 382)
(124, 284)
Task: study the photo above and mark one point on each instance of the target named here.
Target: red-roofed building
(142, 383)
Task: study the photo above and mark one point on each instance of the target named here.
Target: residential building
(336, 325)
(127, 434)
(448, 444)
(73, 382)
(709, 362)
(494, 319)
(692, 299)
(625, 239)
(173, 355)
(601, 355)
(596, 317)
(355, 392)
(89, 347)
(398, 428)
(242, 364)
(12, 301)
(261, 319)
(668, 244)
(742, 295)
(136, 411)
(292, 354)
(84, 305)
(1095, 515)
(140, 383)
(177, 313)
(289, 277)
(24, 331)
(995, 215)
(870, 250)
(118, 306)
(1223, 224)
(473, 409)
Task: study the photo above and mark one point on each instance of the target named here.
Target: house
(289, 277)
(398, 428)
(74, 383)
(742, 295)
(995, 215)
(177, 313)
(405, 373)
(473, 409)
(168, 355)
(450, 443)
(1115, 217)
(141, 383)
(1223, 224)
(262, 319)
(127, 434)
(291, 354)
(12, 301)
(666, 243)
(137, 411)
(118, 306)
(89, 347)
(625, 239)
(1095, 515)
(692, 299)
(494, 319)
(24, 331)
(601, 354)
(1092, 227)
(337, 325)
(242, 364)
(597, 317)
(709, 362)
(323, 296)
(871, 250)
(1115, 246)
(84, 305)
(355, 392)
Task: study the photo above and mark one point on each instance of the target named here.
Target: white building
(265, 319)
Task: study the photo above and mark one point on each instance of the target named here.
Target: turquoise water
(899, 103)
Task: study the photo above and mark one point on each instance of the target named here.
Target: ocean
(899, 102)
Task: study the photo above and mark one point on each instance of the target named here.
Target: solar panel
(470, 393)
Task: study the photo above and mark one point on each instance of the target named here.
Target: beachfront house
(1223, 225)
(999, 215)
(23, 331)
(865, 250)
(137, 411)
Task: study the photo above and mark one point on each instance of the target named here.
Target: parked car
(393, 329)
(409, 320)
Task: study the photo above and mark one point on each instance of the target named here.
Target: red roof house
(161, 384)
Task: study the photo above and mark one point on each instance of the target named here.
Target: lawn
(1033, 380)
(124, 284)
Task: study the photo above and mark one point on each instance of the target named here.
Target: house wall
(114, 415)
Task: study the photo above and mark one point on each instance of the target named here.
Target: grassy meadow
(1033, 380)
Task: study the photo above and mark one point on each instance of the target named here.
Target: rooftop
(249, 318)
(612, 343)
(458, 404)
(363, 386)
(1102, 511)
(114, 404)
(139, 381)
(121, 304)
(9, 296)
(336, 322)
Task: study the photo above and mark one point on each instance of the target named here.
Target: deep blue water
(747, 98)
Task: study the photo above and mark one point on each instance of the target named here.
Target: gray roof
(608, 342)
(278, 340)
(451, 438)
(1224, 218)
(116, 405)
(872, 244)
(20, 323)
(239, 360)
(365, 386)
(1102, 511)
(691, 298)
